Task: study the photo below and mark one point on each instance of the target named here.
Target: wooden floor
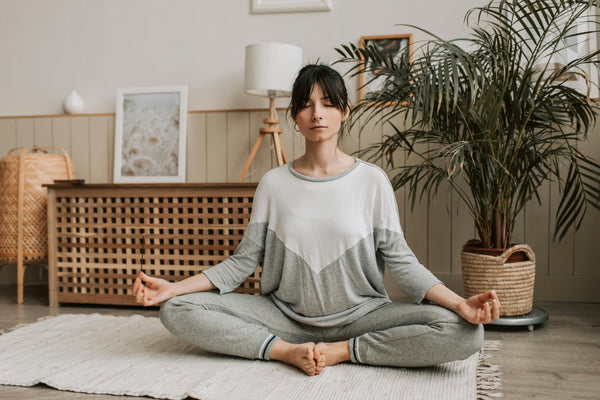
(558, 360)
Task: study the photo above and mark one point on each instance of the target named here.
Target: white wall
(50, 47)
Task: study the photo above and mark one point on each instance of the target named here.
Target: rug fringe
(488, 374)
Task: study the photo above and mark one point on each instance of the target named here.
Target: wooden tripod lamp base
(272, 129)
(270, 70)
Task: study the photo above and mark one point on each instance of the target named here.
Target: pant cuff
(353, 350)
(265, 349)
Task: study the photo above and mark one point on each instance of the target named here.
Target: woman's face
(319, 120)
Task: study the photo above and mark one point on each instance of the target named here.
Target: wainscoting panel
(218, 143)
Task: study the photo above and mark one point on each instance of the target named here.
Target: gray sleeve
(391, 245)
(403, 264)
(230, 273)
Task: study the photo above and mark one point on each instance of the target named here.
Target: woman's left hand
(480, 309)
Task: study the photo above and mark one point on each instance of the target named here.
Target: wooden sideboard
(95, 235)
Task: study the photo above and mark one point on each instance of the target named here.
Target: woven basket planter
(23, 204)
(511, 274)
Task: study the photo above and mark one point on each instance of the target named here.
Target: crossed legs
(395, 334)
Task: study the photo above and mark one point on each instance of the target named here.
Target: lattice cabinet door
(96, 231)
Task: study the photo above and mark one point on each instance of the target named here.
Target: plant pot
(510, 272)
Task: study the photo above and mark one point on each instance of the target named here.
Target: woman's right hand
(151, 291)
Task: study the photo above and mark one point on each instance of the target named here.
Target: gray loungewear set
(324, 244)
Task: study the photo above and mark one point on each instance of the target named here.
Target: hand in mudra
(480, 309)
(151, 291)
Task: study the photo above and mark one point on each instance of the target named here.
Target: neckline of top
(323, 179)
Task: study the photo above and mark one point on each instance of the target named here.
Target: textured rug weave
(137, 356)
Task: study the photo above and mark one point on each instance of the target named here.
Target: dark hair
(331, 83)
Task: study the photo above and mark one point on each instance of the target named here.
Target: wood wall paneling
(238, 143)
(463, 228)
(42, 132)
(218, 143)
(8, 135)
(586, 247)
(440, 233)
(538, 234)
(111, 146)
(560, 260)
(25, 136)
(80, 147)
(196, 148)
(61, 134)
(99, 153)
(587, 238)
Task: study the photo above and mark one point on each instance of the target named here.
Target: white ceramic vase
(74, 103)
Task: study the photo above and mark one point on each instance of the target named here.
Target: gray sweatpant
(395, 334)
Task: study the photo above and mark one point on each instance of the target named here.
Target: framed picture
(150, 135)
(283, 6)
(580, 41)
(587, 81)
(399, 47)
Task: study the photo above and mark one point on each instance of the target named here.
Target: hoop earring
(296, 128)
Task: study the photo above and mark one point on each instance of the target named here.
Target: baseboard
(34, 275)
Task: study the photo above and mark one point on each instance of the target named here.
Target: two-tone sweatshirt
(324, 244)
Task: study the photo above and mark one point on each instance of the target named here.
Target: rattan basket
(512, 281)
(23, 213)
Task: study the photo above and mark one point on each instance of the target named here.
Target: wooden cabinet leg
(20, 280)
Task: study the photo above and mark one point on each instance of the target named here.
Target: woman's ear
(345, 114)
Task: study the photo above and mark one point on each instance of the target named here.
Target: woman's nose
(317, 114)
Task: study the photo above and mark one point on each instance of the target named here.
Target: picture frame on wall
(399, 47)
(587, 82)
(285, 6)
(150, 135)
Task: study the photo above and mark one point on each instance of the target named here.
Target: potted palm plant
(494, 115)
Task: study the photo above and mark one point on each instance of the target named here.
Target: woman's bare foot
(333, 353)
(319, 361)
(303, 356)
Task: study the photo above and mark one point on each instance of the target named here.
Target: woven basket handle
(23, 150)
(518, 248)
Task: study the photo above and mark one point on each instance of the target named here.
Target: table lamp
(270, 72)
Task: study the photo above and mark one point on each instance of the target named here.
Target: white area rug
(137, 356)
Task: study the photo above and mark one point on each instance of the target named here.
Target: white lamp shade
(271, 68)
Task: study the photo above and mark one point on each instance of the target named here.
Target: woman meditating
(324, 226)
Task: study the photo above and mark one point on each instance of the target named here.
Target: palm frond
(498, 117)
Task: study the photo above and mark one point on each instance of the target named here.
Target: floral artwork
(150, 135)
(150, 143)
